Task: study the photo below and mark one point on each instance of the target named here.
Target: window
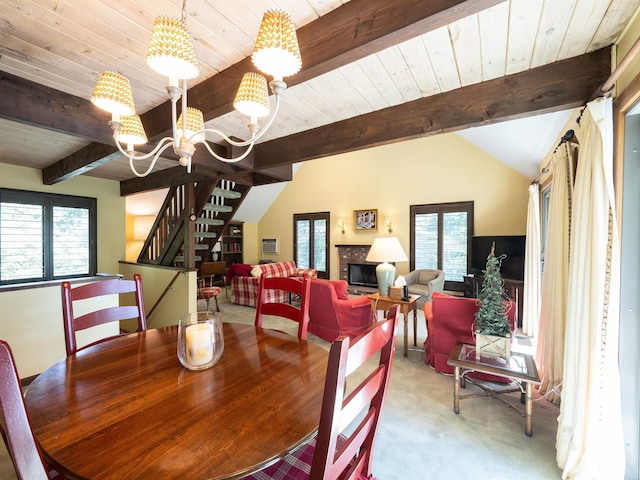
(441, 239)
(46, 236)
(311, 241)
(544, 222)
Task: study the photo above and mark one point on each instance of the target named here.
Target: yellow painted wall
(390, 178)
(31, 319)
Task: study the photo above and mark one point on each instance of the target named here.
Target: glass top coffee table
(520, 368)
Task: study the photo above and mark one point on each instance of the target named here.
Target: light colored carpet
(419, 435)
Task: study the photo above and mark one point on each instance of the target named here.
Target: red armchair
(449, 320)
(332, 313)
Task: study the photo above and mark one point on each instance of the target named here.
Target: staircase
(190, 222)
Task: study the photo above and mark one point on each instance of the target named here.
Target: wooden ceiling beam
(557, 86)
(348, 33)
(28, 102)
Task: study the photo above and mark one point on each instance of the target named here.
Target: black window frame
(440, 209)
(49, 201)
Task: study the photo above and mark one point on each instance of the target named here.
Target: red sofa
(332, 313)
(449, 320)
(245, 280)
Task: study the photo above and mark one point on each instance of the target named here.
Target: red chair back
(298, 286)
(354, 451)
(14, 422)
(72, 324)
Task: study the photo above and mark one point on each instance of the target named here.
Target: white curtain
(531, 303)
(550, 344)
(589, 441)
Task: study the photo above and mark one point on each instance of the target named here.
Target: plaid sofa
(244, 289)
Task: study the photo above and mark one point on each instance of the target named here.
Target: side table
(521, 369)
(384, 303)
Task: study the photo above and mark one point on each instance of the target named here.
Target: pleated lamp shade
(195, 123)
(170, 51)
(131, 131)
(252, 97)
(113, 94)
(276, 51)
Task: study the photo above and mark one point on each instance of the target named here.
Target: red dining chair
(73, 324)
(334, 453)
(295, 286)
(15, 427)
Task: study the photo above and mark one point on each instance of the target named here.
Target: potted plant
(492, 326)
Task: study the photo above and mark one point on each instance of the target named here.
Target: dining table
(127, 408)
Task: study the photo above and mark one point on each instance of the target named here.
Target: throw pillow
(256, 272)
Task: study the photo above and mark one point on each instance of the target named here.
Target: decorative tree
(491, 317)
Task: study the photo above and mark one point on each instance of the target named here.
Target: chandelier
(170, 53)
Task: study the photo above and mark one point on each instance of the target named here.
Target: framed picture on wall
(365, 220)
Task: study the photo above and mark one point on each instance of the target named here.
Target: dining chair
(73, 324)
(213, 274)
(343, 447)
(294, 286)
(15, 427)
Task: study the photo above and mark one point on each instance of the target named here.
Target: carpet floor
(420, 437)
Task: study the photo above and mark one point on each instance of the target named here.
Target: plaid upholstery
(244, 290)
(53, 474)
(294, 466)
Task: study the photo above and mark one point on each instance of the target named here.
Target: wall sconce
(388, 224)
(341, 225)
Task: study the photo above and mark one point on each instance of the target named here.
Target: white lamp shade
(386, 249)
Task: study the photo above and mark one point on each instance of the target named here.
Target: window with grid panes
(46, 236)
(441, 239)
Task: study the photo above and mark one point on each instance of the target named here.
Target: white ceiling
(522, 144)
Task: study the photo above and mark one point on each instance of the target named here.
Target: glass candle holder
(200, 342)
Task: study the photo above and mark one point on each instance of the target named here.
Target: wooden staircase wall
(190, 222)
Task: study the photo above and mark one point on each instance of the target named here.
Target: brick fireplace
(353, 254)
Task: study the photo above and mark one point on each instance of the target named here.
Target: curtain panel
(590, 441)
(550, 344)
(531, 302)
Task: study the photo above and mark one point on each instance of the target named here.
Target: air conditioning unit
(270, 245)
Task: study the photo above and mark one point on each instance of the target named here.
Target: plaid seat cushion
(53, 474)
(294, 466)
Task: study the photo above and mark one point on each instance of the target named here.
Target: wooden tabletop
(126, 408)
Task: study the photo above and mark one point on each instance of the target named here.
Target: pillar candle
(199, 340)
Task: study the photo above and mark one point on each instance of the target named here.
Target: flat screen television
(512, 246)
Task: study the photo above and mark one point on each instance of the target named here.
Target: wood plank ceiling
(374, 72)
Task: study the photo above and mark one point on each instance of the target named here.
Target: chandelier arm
(244, 143)
(153, 162)
(224, 159)
(133, 155)
(268, 124)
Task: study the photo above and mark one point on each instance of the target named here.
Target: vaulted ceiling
(374, 72)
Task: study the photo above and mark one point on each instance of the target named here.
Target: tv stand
(513, 288)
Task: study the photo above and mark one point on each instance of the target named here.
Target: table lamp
(385, 250)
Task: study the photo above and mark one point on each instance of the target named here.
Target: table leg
(456, 390)
(405, 311)
(415, 326)
(528, 419)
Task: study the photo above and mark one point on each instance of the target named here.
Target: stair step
(209, 221)
(221, 192)
(180, 258)
(202, 246)
(212, 207)
(207, 234)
